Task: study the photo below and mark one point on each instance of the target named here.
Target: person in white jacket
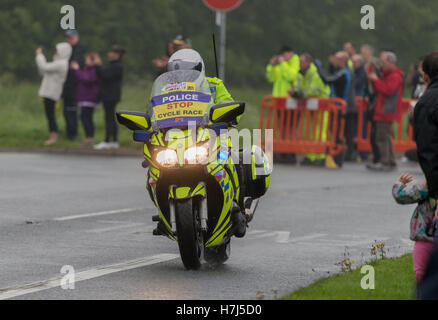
(54, 74)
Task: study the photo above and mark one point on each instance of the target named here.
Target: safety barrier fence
(317, 125)
(304, 126)
(402, 130)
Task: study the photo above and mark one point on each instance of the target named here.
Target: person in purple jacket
(87, 95)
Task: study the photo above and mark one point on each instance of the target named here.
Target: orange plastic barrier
(299, 126)
(404, 140)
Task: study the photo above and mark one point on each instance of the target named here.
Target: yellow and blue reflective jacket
(310, 84)
(219, 92)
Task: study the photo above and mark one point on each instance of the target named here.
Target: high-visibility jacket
(219, 92)
(283, 75)
(310, 84)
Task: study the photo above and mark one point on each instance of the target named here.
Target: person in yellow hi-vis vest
(309, 84)
(282, 71)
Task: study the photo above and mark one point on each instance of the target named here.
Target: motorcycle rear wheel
(189, 244)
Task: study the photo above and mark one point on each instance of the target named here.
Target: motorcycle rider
(189, 59)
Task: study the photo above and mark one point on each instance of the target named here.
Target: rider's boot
(239, 222)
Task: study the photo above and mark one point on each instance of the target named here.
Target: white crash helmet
(186, 59)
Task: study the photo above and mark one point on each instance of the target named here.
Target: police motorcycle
(201, 186)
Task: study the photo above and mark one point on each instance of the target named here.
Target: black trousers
(49, 107)
(373, 141)
(87, 121)
(350, 134)
(71, 117)
(110, 120)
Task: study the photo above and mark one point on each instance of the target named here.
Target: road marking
(282, 236)
(121, 226)
(95, 214)
(96, 272)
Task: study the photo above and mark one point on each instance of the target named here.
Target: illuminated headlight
(167, 158)
(194, 155)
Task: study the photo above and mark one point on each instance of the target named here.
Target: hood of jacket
(64, 51)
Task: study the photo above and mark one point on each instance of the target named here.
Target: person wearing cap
(70, 87)
(110, 92)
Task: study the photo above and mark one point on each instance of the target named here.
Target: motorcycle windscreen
(179, 97)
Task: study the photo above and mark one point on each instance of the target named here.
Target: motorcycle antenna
(214, 42)
(215, 54)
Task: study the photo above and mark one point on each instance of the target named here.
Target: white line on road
(282, 236)
(113, 228)
(12, 292)
(95, 214)
(282, 239)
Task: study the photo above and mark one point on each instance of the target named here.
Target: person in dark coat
(110, 92)
(342, 86)
(70, 87)
(426, 125)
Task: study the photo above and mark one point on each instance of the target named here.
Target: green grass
(394, 279)
(24, 124)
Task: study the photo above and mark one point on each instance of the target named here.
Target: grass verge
(394, 279)
(24, 124)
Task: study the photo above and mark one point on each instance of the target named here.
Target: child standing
(422, 221)
(87, 95)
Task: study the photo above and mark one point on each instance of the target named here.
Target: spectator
(416, 80)
(54, 74)
(372, 65)
(88, 95)
(161, 63)
(341, 83)
(110, 91)
(180, 42)
(308, 84)
(282, 71)
(360, 76)
(351, 49)
(405, 191)
(389, 91)
(426, 126)
(361, 90)
(70, 88)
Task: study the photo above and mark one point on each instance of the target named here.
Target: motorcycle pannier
(257, 173)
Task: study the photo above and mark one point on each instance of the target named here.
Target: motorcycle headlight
(195, 155)
(167, 158)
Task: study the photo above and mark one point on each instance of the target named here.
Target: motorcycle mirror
(226, 112)
(136, 121)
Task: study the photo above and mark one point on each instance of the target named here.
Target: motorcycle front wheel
(189, 244)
